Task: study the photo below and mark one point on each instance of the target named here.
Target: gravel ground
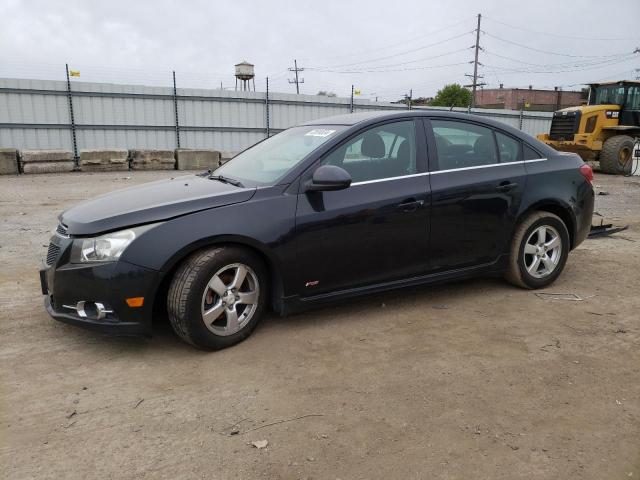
(475, 379)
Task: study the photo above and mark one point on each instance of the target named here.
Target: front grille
(52, 253)
(61, 229)
(563, 127)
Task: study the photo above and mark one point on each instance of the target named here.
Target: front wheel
(539, 251)
(217, 297)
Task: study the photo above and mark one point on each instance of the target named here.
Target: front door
(477, 181)
(377, 229)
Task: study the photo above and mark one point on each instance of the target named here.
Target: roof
(353, 118)
(372, 117)
(365, 117)
(616, 82)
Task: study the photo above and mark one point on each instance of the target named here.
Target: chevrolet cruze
(334, 208)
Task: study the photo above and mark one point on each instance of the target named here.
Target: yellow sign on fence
(74, 73)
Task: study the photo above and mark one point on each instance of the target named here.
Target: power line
(426, 67)
(551, 34)
(544, 51)
(404, 42)
(507, 71)
(562, 64)
(400, 53)
(322, 69)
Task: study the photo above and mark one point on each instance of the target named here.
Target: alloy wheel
(230, 299)
(542, 251)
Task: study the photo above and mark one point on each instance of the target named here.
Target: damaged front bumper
(95, 295)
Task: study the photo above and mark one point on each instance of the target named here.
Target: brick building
(539, 100)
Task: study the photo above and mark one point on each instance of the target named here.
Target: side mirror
(327, 178)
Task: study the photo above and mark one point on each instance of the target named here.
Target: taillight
(587, 173)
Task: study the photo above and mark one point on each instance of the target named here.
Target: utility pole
(297, 81)
(475, 62)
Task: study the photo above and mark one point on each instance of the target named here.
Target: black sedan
(334, 208)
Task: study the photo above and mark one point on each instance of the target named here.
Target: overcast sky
(384, 48)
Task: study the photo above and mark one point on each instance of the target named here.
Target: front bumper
(65, 284)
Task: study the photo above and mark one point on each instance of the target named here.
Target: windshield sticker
(318, 132)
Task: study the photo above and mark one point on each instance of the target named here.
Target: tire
(525, 236)
(615, 156)
(207, 284)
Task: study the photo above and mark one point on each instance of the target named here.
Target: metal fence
(49, 114)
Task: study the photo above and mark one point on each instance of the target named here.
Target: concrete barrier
(226, 155)
(48, 167)
(30, 156)
(148, 159)
(112, 160)
(46, 161)
(197, 159)
(8, 161)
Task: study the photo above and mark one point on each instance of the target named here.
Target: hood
(151, 202)
(590, 108)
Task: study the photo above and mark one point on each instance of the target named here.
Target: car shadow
(441, 296)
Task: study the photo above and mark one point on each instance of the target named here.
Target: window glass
(609, 94)
(508, 147)
(633, 98)
(383, 151)
(530, 153)
(462, 145)
(269, 160)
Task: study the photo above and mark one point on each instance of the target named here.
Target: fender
(174, 240)
(558, 207)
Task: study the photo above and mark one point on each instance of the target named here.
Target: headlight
(105, 248)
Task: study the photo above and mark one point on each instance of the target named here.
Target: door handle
(506, 186)
(410, 205)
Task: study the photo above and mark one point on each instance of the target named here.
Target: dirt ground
(476, 379)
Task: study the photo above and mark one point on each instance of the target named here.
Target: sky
(385, 49)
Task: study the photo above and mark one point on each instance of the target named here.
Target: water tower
(245, 73)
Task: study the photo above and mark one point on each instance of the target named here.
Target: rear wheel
(615, 156)
(217, 297)
(539, 251)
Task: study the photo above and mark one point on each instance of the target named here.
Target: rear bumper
(110, 284)
(583, 213)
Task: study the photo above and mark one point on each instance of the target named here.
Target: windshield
(268, 161)
(609, 94)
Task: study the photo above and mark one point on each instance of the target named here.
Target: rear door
(477, 182)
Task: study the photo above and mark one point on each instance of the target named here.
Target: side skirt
(295, 303)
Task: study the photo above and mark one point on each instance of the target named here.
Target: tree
(453, 95)
(322, 93)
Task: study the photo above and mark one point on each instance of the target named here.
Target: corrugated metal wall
(35, 114)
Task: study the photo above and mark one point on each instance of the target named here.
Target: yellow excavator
(605, 129)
